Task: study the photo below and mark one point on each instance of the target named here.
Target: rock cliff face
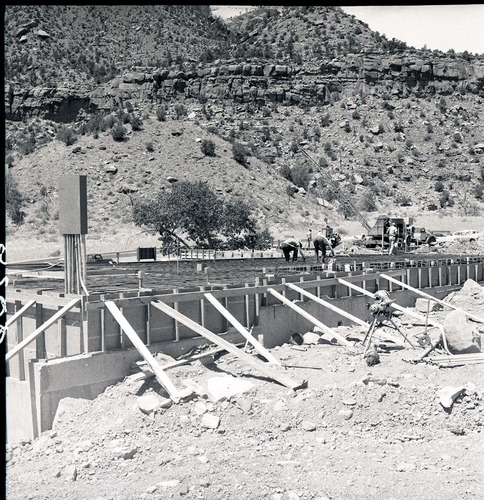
(257, 83)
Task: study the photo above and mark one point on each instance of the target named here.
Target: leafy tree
(193, 209)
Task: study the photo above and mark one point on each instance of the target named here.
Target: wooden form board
(19, 313)
(312, 319)
(427, 296)
(216, 339)
(242, 330)
(10, 354)
(160, 375)
(328, 305)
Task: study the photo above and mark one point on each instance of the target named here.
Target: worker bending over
(292, 245)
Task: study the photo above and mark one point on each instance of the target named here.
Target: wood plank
(260, 365)
(162, 378)
(19, 313)
(242, 330)
(10, 354)
(312, 319)
(330, 306)
(427, 296)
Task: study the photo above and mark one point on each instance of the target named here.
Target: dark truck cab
(97, 258)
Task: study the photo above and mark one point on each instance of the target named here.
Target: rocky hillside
(393, 127)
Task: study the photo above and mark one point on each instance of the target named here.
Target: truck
(409, 236)
(97, 258)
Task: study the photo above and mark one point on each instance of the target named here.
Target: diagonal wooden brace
(216, 339)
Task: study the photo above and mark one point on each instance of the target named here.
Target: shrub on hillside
(301, 175)
(150, 147)
(446, 200)
(119, 132)
(136, 123)
(180, 111)
(161, 113)
(240, 153)
(14, 200)
(67, 136)
(208, 147)
(439, 186)
(479, 191)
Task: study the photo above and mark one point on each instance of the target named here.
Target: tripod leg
(400, 332)
(372, 325)
(367, 347)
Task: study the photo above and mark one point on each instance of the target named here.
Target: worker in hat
(392, 237)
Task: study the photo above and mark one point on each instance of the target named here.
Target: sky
(442, 27)
(438, 27)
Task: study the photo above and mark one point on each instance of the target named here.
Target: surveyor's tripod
(381, 312)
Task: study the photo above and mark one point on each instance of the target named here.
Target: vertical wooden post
(202, 308)
(177, 326)
(247, 308)
(61, 337)
(40, 340)
(103, 326)
(301, 296)
(257, 302)
(84, 329)
(122, 342)
(265, 282)
(33, 399)
(419, 277)
(148, 323)
(226, 323)
(18, 339)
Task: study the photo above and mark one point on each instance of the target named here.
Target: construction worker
(310, 238)
(392, 237)
(292, 245)
(322, 243)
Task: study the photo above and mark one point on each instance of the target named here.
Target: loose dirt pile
(355, 432)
